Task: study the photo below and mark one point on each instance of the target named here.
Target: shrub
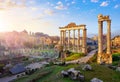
(1, 66)
(74, 56)
(116, 56)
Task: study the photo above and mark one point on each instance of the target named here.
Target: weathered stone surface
(96, 80)
(64, 73)
(87, 67)
(118, 69)
(73, 27)
(73, 74)
(81, 78)
(71, 69)
(107, 59)
(112, 67)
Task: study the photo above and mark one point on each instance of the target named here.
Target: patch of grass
(99, 71)
(74, 56)
(55, 75)
(37, 75)
(116, 59)
(116, 56)
(103, 73)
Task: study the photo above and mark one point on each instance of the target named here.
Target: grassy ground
(52, 74)
(74, 56)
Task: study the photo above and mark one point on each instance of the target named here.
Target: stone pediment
(71, 25)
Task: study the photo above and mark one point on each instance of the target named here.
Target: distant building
(116, 41)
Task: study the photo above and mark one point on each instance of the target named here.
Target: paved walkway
(83, 59)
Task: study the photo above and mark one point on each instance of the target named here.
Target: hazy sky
(48, 15)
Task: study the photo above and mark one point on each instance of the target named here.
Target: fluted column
(78, 40)
(109, 37)
(73, 40)
(61, 37)
(64, 39)
(100, 43)
(100, 37)
(84, 41)
(68, 39)
(109, 41)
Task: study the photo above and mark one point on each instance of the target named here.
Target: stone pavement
(83, 59)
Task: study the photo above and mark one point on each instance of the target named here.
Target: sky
(48, 15)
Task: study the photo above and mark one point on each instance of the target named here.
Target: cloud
(104, 4)
(73, 2)
(68, 4)
(116, 6)
(60, 6)
(84, 1)
(7, 4)
(34, 8)
(94, 1)
(59, 3)
(32, 2)
(49, 12)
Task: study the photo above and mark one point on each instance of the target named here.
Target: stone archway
(107, 57)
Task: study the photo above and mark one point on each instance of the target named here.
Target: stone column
(68, 39)
(84, 41)
(109, 41)
(78, 40)
(73, 40)
(64, 39)
(61, 37)
(109, 37)
(100, 43)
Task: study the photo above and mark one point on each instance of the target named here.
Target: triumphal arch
(66, 38)
(104, 57)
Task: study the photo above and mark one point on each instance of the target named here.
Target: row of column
(63, 39)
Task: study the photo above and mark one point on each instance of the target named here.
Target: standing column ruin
(73, 27)
(109, 37)
(100, 39)
(107, 57)
(68, 39)
(84, 41)
(78, 40)
(109, 41)
(64, 39)
(73, 40)
(61, 37)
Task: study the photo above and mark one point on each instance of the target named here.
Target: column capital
(85, 29)
(108, 21)
(100, 22)
(64, 30)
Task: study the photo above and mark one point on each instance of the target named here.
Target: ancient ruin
(107, 57)
(66, 44)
